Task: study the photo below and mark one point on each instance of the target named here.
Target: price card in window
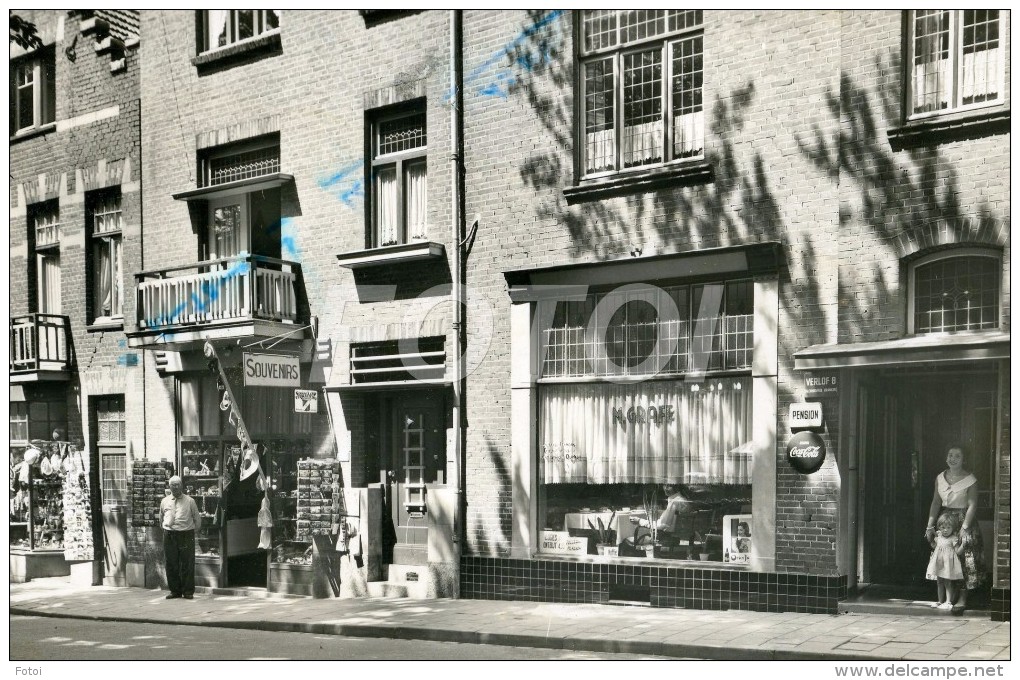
(562, 543)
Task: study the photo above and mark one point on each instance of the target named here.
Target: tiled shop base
(1000, 604)
(486, 578)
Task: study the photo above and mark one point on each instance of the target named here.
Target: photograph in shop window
(645, 421)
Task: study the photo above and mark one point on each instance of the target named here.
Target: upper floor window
(399, 178)
(33, 91)
(44, 221)
(955, 61)
(641, 82)
(223, 27)
(106, 227)
(955, 291)
(19, 421)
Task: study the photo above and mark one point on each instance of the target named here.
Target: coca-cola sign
(805, 452)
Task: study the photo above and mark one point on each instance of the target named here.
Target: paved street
(50, 639)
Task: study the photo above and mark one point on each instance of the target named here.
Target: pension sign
(271, 370)
(805, 452)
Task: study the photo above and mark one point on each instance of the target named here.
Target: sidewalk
(731, 635)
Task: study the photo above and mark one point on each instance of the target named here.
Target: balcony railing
(39, 342)
(242, 288)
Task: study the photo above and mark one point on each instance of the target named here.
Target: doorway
(109, 428)
(907, 420)
(417, 457)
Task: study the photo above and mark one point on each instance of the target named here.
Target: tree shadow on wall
(481, 537)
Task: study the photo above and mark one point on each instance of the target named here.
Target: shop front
(904, 404)
(644, 444)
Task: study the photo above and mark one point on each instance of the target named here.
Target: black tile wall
(1000, 604)
(486, 578)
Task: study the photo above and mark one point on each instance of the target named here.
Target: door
(228, 226)
(418, 458)
(909, 422)
(113, 486)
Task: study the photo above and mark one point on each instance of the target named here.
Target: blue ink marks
(346, 184)
(288, 240)
(483, 80)
(127, 360)
(122, 344)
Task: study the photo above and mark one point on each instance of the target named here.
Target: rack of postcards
(149, 484)
(283, 456)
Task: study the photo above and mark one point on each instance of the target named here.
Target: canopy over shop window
(651, 432)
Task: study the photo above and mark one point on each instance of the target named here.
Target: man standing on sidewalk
(180, 518)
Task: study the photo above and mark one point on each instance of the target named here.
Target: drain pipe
(456, 175)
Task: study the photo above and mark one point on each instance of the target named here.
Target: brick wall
(94, 145)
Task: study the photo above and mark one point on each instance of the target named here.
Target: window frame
(42, 64)
(666, 42)
(21, 419)
(259, 20)
(948, 255)
(399, 161)
(955, 51)
(50, 250)
(97, 240)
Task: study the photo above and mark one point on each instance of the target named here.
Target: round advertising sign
(806, 452)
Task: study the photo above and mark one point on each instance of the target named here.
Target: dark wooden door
(418, 458)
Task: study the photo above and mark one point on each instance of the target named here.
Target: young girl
(944, 565)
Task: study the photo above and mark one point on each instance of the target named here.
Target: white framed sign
(271, 370)
(737, 539)
(806, 414)
(562, 543)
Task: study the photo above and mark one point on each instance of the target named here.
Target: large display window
(645, 414)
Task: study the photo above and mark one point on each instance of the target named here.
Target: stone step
(414, 591)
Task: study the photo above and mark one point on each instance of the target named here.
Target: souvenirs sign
(806, 452)
(271, 370)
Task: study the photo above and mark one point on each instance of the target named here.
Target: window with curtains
(645, 412)
(105, 224)
(224, 27)
(33, 91)
(955, 291)
(44, 223)
(641, 82)
(955, 60)
(399, 178)
(19, 422)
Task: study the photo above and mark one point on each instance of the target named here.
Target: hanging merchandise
(265, 521)
(44, 466)
(250, 462)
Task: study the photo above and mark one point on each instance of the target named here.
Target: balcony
(247, 296)
(40, 348)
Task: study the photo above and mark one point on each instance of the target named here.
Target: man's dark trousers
(180, 561)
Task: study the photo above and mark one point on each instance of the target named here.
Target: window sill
(948, 128)
(265, 43)
(693, 172)
(33, 132)
(392, 255)
(105, 325)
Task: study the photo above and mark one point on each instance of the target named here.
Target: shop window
(105, 226)
(641, 88)
(19, 422)
(399, 190)
(44, 224)
(266, 410)
(955, 291)
(224, 27)
(955, 60)
(33, 92)
(645, 421)
(45, 416)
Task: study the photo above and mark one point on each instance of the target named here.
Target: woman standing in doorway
(956, 493)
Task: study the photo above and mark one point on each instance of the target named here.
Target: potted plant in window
(604, 536)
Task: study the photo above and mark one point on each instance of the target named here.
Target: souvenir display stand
(290, 560)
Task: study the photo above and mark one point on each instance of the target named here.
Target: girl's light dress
(944, 562)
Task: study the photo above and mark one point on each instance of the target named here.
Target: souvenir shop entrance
(907, 419)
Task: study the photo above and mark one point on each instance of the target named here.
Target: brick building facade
(75, 216)
(793, 182)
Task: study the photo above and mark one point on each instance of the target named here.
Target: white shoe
(947, 606)
(935, 605)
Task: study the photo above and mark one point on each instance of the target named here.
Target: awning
(403, 385)
(750, 259)
(241, 186)
(936, 347)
